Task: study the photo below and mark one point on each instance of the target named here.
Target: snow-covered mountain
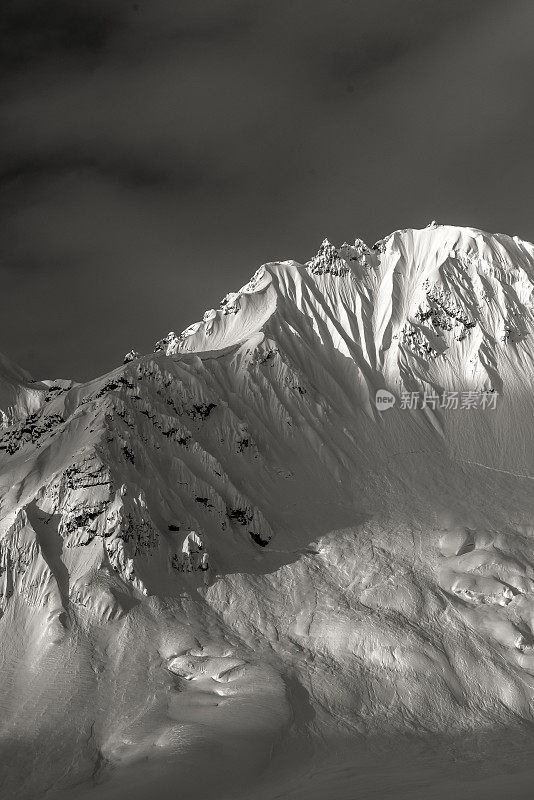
(227, 571)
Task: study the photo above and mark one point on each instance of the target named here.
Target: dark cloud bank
(155, 153)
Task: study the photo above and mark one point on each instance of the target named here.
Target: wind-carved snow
(20, 394)
(247, 309)
(221, 558)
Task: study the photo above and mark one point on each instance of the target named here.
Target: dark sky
(155, 153)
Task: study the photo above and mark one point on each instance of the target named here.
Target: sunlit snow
(227, 574)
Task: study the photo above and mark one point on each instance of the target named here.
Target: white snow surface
(224, 574)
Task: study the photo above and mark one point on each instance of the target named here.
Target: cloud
(154, 154)
(35, 33)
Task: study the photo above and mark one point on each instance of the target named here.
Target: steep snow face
(240, 314)
(438, 309)
(434, 300)
(225, 549)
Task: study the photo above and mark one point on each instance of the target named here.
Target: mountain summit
(445, 294)
(231, 550)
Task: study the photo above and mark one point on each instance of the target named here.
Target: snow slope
(226, 574)
(20, 395)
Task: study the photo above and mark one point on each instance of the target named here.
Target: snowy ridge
(254, 301)
(443, 293)
(20, 395)
(226, 547)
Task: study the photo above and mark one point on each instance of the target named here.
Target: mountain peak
(220, 542)
(441, 302)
